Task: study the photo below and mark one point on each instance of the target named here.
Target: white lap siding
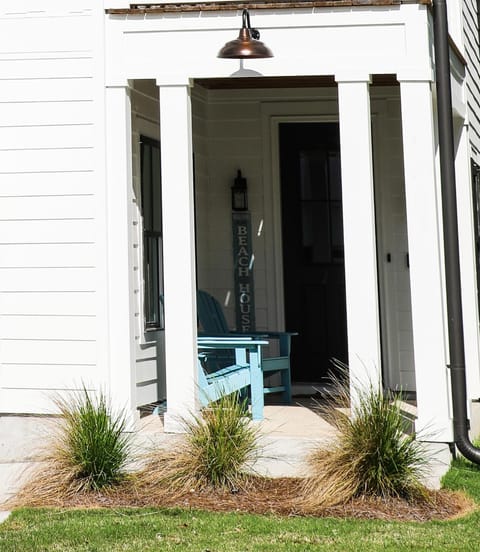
(51, 317)
(472, 55)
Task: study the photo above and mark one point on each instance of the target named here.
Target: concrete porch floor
(286, 435)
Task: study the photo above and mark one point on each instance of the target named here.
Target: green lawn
(174, 529)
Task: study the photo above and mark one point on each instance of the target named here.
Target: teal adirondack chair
(245, 371)
(213, 323)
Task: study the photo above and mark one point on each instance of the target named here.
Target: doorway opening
(313, 247)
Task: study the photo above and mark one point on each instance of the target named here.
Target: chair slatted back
(210, 314)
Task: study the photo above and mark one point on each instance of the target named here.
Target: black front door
(314, 275)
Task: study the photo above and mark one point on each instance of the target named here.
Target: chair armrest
(266, 333)
(205, 335)
(260, 333)
(283, 337)
(229, 342)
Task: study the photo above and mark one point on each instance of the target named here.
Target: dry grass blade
(167, 473)
(50, 483)
(333, 484)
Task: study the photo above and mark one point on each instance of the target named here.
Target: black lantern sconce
(239, 193)
(247, 45)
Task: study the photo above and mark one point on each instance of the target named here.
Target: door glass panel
(321, 211)
(313, 175)
(337, 231)
(334, 176)
(316, 232)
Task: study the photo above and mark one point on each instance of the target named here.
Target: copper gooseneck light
(247, 45)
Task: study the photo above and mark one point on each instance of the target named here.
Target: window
(321, 206)
(476, 218)
(151, 182)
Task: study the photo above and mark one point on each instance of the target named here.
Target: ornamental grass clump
(93, 440)
(219, 446)
(372, 455)
(88, 451)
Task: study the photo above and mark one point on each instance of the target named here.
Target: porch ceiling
(284, 82)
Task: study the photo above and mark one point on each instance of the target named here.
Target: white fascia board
(303, 42)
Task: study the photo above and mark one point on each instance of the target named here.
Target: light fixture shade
(247, 45)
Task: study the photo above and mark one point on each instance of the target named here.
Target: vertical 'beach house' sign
(243, 258)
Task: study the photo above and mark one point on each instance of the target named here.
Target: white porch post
(178, 251)
(426, 268)
(363, 328)
(120, 267)
(466, 236)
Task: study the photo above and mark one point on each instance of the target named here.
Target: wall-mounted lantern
(239, 193)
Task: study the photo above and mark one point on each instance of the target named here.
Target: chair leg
(256, 386)
(287, 385)
(243, 395)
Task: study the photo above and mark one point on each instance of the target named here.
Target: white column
(120, 267)
(361, 279)
(178, 252)
(466, 237)
(426, 268)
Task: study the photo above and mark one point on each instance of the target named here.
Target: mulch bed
(277, 496)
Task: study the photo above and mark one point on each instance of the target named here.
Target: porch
(211, 121)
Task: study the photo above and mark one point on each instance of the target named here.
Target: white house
(337, 136)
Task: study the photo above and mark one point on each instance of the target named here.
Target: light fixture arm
(246, 25)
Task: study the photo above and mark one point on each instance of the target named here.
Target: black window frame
(151, 209)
